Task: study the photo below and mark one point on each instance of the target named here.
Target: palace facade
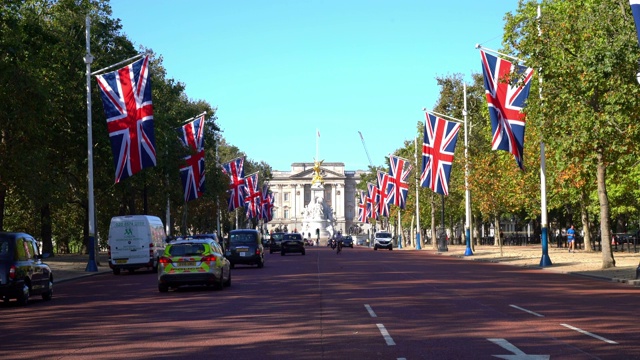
(292, 192)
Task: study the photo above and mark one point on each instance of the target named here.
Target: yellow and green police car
(193, 261)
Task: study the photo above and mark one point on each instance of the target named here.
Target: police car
(193, 261)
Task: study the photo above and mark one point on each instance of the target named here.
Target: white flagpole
(545, 260)
(88, 59)
(467, 196)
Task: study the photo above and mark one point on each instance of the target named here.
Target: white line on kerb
(370, 310)
(385, 335)
(588, 333)
(528, 311)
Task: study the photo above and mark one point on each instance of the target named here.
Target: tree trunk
(45, 229)
(584, 215)
(607, 255)
(3, 195)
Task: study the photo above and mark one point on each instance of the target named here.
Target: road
(361, 304)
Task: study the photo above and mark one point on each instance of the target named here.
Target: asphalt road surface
(361, 304)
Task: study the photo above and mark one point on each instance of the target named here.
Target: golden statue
(317, 177)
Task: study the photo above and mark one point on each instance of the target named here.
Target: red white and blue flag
(506, 95)
(635, 10)
(398, 180)
(440, 137)
(383, 194)
(192, 172)
(252, 196)
(235, 170)
(266, 204)
(362, 209)
(372, 201)
(126, 96)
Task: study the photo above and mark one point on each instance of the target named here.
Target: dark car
(22, 272)
(274, 242)
(292, 243)
(347, 241)
(244, 246)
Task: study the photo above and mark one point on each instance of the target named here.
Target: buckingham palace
(292, 191)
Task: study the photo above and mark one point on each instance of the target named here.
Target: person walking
(571, 237)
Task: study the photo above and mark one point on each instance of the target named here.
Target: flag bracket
(120, 63)
(444, 116)
(480, 47)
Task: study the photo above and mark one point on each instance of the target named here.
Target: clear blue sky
(279, 69)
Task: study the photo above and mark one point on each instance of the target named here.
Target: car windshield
(384, 235)
(292, 237)
(276, 237)
(186, 249)
(243, 239)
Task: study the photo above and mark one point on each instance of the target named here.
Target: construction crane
(365, 149)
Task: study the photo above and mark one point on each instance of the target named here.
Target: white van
(135, 241)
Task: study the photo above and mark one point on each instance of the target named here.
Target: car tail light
(209, 258)
(257, 251)
(164, 260)
(12, 272)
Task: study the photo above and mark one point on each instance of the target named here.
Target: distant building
(292, 192)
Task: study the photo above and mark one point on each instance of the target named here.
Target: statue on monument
(317, 176)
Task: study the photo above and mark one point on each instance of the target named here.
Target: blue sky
(279, 69)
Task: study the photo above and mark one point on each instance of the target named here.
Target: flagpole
(467, 202)
(88, 59)
(545, 260)
(415, 154)
(467, 195)
(193, 118)
(118, 64)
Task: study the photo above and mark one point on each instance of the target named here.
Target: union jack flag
(372, 201)
(235, 170)
(635, 10)
(440, 137)
(266, 204)
(192, 173)
(253, 195)
(506, 97)
(398, 176)
(126, 96)
(383, 194)
(362, 209)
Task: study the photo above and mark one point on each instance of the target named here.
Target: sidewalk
(66, 267)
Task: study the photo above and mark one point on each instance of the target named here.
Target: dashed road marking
(385, 335)
(590, 334)
(370, 310)
(528, 311)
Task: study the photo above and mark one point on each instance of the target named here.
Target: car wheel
(270, 251)
(47, 295)
(303, 252)
(228, 282)
(375, 248)
(163, 288)
(282, 253)
(261, 264)
(390, 248)
(23, 298)
(116, 271)
(219, 285)
(232, 265)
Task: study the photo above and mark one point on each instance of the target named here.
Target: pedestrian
(571, 236)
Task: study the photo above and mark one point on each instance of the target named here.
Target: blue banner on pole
(635, 9)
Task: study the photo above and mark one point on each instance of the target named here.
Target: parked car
(22, 272)
(292, 243)
(244, 246)
(274, 242)
(383, 240)
(347, 241)
(193, 261)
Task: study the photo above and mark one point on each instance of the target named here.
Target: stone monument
(318, 216)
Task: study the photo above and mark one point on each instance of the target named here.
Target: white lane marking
(385, 335)
(517, 353)
(370, 310)
(588, 333)
(525, 310)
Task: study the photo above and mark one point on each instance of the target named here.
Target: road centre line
(588, 333)
(528, 311)
(385, 334)
(370, 310)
